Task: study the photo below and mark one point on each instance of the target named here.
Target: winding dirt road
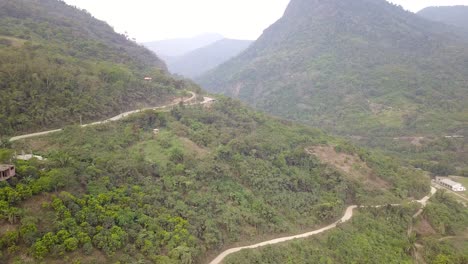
(187, 101)
(346, 217)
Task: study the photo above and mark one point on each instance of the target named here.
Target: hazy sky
(148, 20)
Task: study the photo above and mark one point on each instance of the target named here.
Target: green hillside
(58, 63)
(380, 236)
(211, 177)
(360, 68)
(451, 15)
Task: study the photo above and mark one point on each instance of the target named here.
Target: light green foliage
(5, 155)
(71, 244)
(210, 178)
(446, 215)
(372, 236)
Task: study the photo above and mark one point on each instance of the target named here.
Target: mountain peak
(311, 17)
(325, 61)
(328, 8)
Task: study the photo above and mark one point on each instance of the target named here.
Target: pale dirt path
(346, 217)
(34, 135)
(120, 116)
(423, 202)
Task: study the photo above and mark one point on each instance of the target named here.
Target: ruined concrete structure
(6, 172)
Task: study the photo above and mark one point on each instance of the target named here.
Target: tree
(40, 250)
(442, 259)
(71, 244)
(28, 233)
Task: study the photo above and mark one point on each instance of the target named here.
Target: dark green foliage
(61, 63)
(361, 68)
(439, 155)
(372, 236)
(210, 178)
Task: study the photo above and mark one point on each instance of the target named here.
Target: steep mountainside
(213, 176)
(58, 63)
(451, 15)
(177, 47)
(361, 68)
(200, 61)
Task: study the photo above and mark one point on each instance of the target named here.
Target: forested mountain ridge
(451, 15)
(362, 68)
(58, 63)
(211, 177)
(200, 61)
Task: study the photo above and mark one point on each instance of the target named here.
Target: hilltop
(58, 64)
(451, 15)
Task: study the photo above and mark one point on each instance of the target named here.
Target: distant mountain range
(361, 67)
(181, 46)
(451, 15)
(192, 57)
(200, 61)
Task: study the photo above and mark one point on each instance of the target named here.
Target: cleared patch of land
(350, 165)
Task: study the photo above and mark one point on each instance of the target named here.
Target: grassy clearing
(11, 41)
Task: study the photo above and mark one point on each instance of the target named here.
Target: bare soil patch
(424, 228)
(416, 141)
(6, 227)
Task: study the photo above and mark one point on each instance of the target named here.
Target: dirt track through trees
(188, 101)
(346, 217)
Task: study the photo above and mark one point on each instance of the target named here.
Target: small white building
(452, 185)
